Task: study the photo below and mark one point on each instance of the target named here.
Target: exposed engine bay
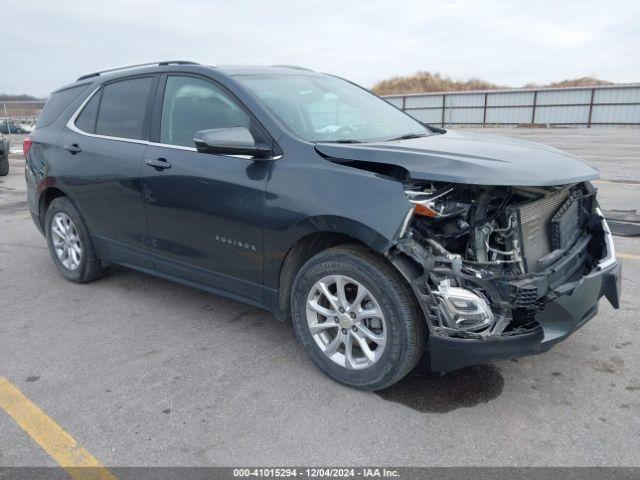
(486, 260)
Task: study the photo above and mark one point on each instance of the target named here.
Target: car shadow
(427, 392)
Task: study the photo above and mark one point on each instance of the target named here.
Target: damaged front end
(502, 272)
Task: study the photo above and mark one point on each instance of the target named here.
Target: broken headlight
(462, 309)
(437, 202)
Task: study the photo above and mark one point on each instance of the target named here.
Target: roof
(150, 67)
(263, 69)
(228, 69)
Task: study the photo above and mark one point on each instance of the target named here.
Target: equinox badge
(236, 243)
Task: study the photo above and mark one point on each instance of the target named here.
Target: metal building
(612, 105)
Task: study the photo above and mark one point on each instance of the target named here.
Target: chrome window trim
(176, 147)
(71, 125)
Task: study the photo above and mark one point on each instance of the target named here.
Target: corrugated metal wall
(617, 105)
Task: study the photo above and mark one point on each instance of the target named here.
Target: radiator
(535, 227)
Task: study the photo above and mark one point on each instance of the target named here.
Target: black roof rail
(294, 67)
(126, 67)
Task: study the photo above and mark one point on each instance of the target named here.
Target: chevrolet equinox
(382, 239)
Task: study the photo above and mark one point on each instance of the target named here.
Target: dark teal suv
(382, 239)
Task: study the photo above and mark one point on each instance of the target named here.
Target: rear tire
(70, 244)
(394, 341)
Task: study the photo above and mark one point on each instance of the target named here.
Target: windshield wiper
(408, 136)
(343, 140)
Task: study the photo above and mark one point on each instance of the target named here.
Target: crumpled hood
(470, 158)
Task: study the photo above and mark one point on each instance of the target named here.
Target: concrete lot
(142, 371)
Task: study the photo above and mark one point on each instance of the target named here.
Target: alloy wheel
(66, 241)
(346, 322)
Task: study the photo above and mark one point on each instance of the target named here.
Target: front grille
(535, 227)
(525, 304)
(524, 297)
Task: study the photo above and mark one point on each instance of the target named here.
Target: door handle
(73, 148)
(158, 163)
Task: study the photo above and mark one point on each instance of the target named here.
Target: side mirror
(231, 141)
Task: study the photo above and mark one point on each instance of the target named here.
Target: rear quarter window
(57, 103)
(87, 119)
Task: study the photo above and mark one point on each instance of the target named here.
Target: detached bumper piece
(559, 318)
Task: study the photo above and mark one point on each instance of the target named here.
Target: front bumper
(559, 319)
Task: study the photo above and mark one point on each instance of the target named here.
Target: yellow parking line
(79, 463)
(628, 256)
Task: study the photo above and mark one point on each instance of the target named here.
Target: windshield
(328, 109)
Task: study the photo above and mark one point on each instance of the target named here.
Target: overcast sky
(49, 43)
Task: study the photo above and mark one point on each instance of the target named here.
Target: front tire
(70, 244)
(357, 317)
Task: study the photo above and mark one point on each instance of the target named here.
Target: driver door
(205, 211)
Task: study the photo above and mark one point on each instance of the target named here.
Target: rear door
(205, 211)
(104, 146)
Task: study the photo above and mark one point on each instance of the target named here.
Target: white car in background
(27, 127)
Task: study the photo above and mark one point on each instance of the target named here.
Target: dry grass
(20, 109)
(422, 82)
(17, 98)
(574, 82)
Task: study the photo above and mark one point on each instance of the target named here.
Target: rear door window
(123, 107)
(57, 103)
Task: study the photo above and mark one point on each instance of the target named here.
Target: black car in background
(5, 148)
(7, 127)
(382, 239)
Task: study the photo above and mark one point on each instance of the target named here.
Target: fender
(312, 235)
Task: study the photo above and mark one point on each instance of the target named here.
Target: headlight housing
(462, 309)
(437, 203)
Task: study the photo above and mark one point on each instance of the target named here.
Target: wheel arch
(321, 233)
(47, 196)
